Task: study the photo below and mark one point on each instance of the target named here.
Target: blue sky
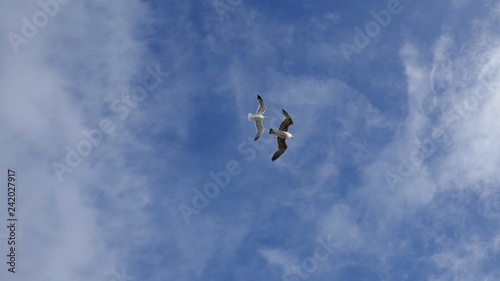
(126, 123)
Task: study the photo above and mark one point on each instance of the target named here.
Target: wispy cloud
(459, 86)
(62, 82)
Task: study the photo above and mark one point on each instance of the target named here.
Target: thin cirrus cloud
(452, 96)
(52, 88)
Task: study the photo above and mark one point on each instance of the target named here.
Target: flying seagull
(258, 117)
(282, 134)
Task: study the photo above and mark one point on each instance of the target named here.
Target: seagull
(258, 117)
(282, 134)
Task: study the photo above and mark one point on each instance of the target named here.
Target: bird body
(256, 117)
(281, 134)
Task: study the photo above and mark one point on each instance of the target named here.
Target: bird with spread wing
(258, 117)
(282, 134)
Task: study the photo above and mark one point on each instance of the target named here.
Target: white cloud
(284, 259)
(58, 84)
(447, 94)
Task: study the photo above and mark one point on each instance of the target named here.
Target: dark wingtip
(270, 131)
(258, 97)
(289, 117)
(275, 156)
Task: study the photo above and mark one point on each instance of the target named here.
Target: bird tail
(272, 131)
(250, 116)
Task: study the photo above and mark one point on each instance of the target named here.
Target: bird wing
(260, 129)
(281, 148)
(286, 122)
(262, 106)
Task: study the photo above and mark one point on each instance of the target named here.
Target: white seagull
(258, 117)
(282, 134)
